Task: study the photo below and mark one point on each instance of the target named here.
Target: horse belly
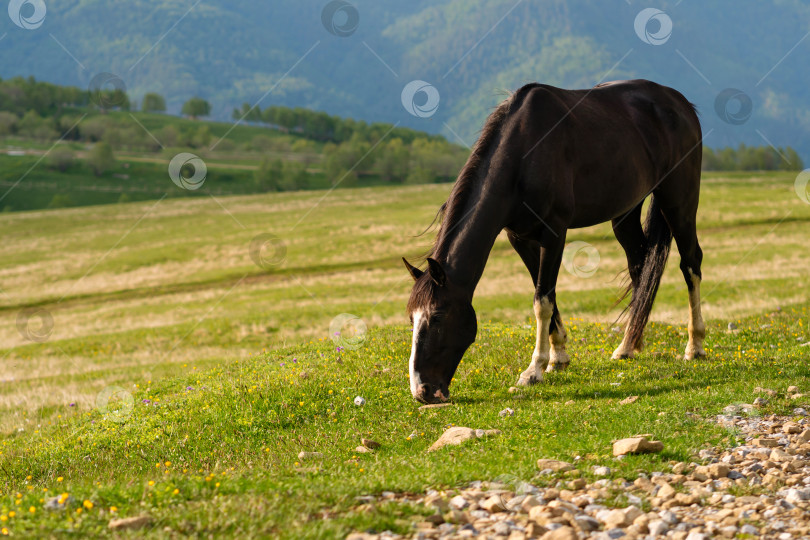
(598, 202)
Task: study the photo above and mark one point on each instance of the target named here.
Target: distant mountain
(470, 51)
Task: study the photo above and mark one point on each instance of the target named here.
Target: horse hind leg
(691, 259)
(697, 329)
(631, 236)
(682, 220)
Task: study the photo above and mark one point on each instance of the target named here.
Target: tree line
(751, 158)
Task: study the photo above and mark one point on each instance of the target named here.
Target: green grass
(155, 297)
(226, 439)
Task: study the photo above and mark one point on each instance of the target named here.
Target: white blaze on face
(416, 381)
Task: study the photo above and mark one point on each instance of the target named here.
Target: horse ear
(414, 271)
(436, 272)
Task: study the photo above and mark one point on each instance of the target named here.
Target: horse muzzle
(429, 393)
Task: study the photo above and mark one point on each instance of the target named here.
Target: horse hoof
(558, 366)
(691, 355)
(528, 381)
(620, 355)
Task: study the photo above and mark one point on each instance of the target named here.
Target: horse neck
(464, 246)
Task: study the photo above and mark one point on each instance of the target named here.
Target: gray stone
(587, 523)
(668, 517)
(506, 412)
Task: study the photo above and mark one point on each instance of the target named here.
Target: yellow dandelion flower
(88, 505)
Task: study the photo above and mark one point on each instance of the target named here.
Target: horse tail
(658, 242)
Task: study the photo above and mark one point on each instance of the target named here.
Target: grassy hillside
(171, 282)
(171, 375)
(239, 51)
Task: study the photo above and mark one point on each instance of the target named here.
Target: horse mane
(450, 213)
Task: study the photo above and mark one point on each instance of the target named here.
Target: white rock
(601, 471)
(794, 495)
(749, 529)
(657, 528)
(359, 401)
(459, 502)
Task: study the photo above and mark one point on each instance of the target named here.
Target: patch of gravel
(692, 501)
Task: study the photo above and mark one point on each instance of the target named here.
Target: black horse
(549, 160)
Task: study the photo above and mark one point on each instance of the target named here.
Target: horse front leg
(544, 309)
(558, 358)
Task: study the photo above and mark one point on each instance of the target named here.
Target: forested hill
(470, 51)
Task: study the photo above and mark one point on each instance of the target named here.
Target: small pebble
(506, 412)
